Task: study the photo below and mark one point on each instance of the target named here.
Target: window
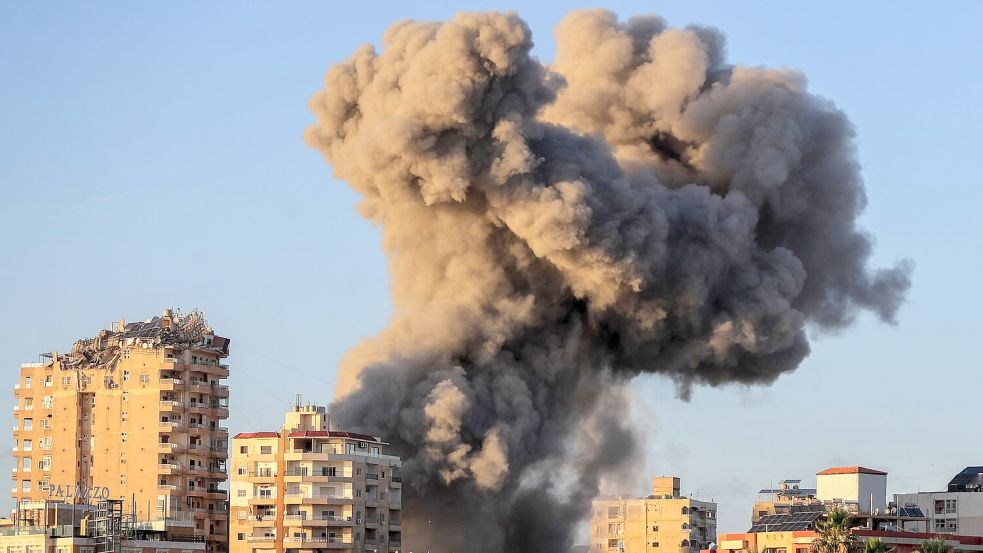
(240, 536)
(685, 510)
(241, 515)
(47, 381)
(45, 423)
(27, 382)
(46, 462)
(240, 493)
(655, 544)
(614, 512)
(144, 378)
(265, 450)
(25, 485)
(616, 544)
(655, 528)
(27, 445)
(126, 373)
(46, 443)
(244, 449)
(122, 437)
(66, 381)
(26, 465)
(241, 471)
(28, 424)
(126, 396)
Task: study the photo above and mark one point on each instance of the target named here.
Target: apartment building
(957, 510)
(307, 488)
(664, 522)
(136, 413)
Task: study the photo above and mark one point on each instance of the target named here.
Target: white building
(858, 489)
(958, 510)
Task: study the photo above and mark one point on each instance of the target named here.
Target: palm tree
(936, 545)
(875, 545)
(833, 533)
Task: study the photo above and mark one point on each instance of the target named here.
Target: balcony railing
(303, 495)
(302, 516)
(318, 539)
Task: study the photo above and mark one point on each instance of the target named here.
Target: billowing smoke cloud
(640, 207)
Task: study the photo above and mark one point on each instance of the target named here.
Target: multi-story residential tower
(308, 488)
(663, 522)
(135, 411)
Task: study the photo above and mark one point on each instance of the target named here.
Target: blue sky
(151, 156)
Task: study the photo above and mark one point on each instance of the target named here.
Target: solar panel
(786, 523)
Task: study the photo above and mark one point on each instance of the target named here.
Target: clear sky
(151, 156)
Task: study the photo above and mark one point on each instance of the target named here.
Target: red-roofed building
(308, 488)
(858, 489)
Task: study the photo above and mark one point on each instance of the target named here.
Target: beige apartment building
(133, 413)
(663, 522)
(307, 488)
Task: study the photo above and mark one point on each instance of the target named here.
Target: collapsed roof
(170, 329)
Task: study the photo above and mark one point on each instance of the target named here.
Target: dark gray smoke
(640, 207)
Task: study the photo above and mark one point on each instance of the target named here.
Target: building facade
(664, 522)
(135, 413)
(958, 510)
(307, 488)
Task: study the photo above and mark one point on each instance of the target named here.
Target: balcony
(167, 488)
(313, 542)
(170, 426)
(303, 519)
(168, 447)
(261, 539)
(262, 477)
(168, 468)
(171, 383)
(263, 500)
(219, 370)
(170, 405)
(316, 499)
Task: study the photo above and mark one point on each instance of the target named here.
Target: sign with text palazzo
(78, 492)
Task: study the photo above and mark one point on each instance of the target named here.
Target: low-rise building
(58, 527)
(800, 541)
(307, 488)
(783, 499)
(664, 522)
(957, 510)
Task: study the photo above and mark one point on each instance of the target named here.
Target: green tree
(833, 532)
(936, 545)
(875, 545)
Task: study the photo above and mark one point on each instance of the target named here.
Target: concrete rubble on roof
(170, 329)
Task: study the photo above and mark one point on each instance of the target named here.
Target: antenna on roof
(299, 402)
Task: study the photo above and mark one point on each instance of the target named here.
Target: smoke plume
(552, 232)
